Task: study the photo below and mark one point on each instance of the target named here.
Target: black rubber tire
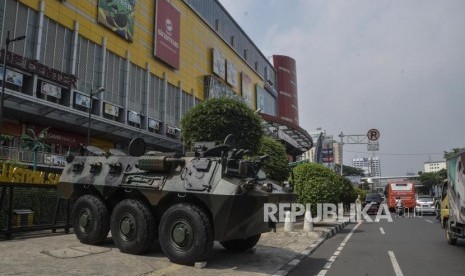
(133, 227)
(91, 219)
(450, 238)
(193, 229)
(242, 244)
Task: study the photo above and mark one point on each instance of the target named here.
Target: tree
(348, 192)
(276, 167)
(431, 179)
(315, 183)
(215, 118)
(453, 152)
(349, 171)
(34, 142)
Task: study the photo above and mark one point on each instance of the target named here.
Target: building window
(137, 89)
(88, 65)
(115, 79)
(156, 97)
(232, 41)
(217, 25)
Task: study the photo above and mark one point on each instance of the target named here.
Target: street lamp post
(5, 54)
(92, 94)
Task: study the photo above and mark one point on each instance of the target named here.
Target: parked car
(424, 204)
(375, 199)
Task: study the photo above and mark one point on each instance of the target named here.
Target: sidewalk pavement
(62, 254)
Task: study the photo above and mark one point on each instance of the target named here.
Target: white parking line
(395, 264)
(382, 231)
(429, 221)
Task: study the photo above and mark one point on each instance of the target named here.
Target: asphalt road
(406, 246)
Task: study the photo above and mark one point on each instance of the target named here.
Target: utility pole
(92, 94)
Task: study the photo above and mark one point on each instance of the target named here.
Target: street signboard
(373, 146)
(373, 134)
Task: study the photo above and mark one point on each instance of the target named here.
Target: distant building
(313, 154)
(370, 165)
(337, 152)
(325, 149)
(434, 166)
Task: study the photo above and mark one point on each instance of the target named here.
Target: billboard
(231, 73)
(134, 117)
(82, 100)
(118, 15)
(111, 109)
(247, 89)
(218, 63)
(51, 90)
(12, 77)
(167, 33)
(265, 101)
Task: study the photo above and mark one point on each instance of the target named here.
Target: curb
(285, 269)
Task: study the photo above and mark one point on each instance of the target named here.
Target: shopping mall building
(123, 68)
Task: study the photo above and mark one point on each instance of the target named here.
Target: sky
(394, 65)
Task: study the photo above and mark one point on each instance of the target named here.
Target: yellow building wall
(196, 41)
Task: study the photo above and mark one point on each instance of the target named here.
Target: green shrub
(215, 118)
(315, 183)
(276, 167)
(348, 192)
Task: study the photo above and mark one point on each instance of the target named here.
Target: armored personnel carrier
(186, 203)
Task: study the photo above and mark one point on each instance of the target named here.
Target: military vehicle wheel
(91, 220)
(450, 237)
(186, 234)
(242, 244)
(133, 227)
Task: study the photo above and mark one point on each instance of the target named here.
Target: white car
(424, 204)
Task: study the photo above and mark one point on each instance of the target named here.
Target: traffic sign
(373, 134)
(373, 146)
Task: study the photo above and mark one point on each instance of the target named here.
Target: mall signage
(167, 33)
(41, 70)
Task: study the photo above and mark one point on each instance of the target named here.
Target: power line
(427, 153)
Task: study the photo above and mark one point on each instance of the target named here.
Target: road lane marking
(395, 264)
(337, 252)
(382, 231)
(429, 221)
